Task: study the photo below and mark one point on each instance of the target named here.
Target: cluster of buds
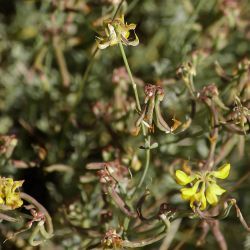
(151, 112)
(210, 92)
(37, 216)
(240, 115)
(110, 172)
(117, 31)
(112, 240)
(9, 198)
(186, 72)
(203, 187)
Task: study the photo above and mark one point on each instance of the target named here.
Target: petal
(131, 26)
(222, 172)
(175, 125)
(217, 189)
(199, 199)
(134, 42)
(121, 19)
(211, 196)
(14, 201)
(187, 193)
(192, 200)
(182, 178)
(16, 185)
(103, 45)
(203, 201)
(125, 34)
(111, 30)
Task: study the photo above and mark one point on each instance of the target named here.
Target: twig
(143, 243)
(120, 203)
(215, 228)
(241, 218)
(7, 218)
(171, 235)
(41, 208)
(146, 165)
(150, 241)
(147, 140)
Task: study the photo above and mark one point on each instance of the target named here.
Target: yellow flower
(222, 172)
(182, 178)
(203, 187)
(199, 200)
(188, 193)
(8, 195)
(117, 31)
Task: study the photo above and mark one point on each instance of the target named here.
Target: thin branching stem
(146, 165)
(91, 63)
(130, 76)
(41, 208)
(147, 139)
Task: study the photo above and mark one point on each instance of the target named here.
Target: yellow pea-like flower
(187, 193)
(222, 172)
(212, 191)
(203, 187)
(182, 178)
(198, 200)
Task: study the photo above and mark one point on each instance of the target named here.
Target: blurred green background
(45, 48)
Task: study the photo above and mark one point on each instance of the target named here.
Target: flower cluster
(112, 240)
(117, 31)
(151, 112)
(203, 186)
(8, 195)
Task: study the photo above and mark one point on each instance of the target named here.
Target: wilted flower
(112, 240)
(239, 115)
(8, 195)
(117, 31)
(186, 72)
(151, 112)
(203, 186)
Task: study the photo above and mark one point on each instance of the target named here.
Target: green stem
(142, 243)
(41, 208)
(91, 63)
(147, 139)
(130, 76)
(146, 166)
